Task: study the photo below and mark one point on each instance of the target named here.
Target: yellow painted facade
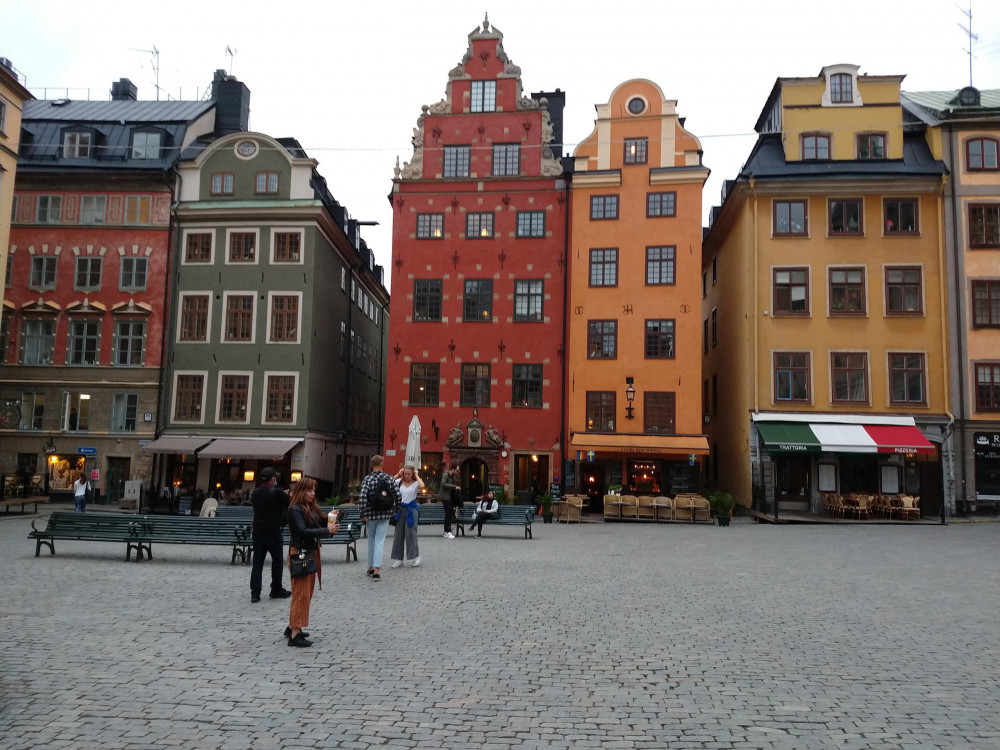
(12, 98)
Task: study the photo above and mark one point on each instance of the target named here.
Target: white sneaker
(446, 535)
(396, 563)
(415, 562)
(450, 535)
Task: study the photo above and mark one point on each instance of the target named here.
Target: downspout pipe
(755, 338)
(943, 293)
(959, 327)
(170, 180)
(565, 342)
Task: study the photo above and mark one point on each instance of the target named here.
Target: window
(77, 145)
(715, 326)
(124, 411)
(904, 290)
(659, 412)
(425, 378)
(430, 226)
(475, 385)
(138, 209)
(284, 318)
(661, 204)
(84, 342)
(704, 336)
(790, 218)
(791, 291)
(815, 147)
(528, 297)
(32, 410)
(602, 339)
(483, 96)
(3, 116)
(198, 247)
(8, 275)
(188, 396)
(659, 339)
(129, 343)
(986, 304)
(635, 150)
(478, 301)
(43, 272)
(849, 371)
(234, 392)
(984, 225)
(48, 209)
(506, 159)
(847, 291)
(427, 299)
(241, 247)
(603, 207)
(39, 338)
(478, 225)
(266, 182)
(75, 411)
(901, 216)
(791, 376)
(456, 161)
(145, 145)
(601, 411)
(845, 216)
(604, 267)
(222, 183)
(715, 270)
(88, 273)
(287, 247)
(133, 274)
(530, 223)
(93, 209)
(871, 146)
(981, 154)
(279, 401)
(906, 374)
(527, 391)
(987, 386)
(660, 265)
(239, 318)
(194, 317)
(5, 340)
(841, 88)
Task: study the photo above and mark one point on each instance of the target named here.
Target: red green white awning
(825, 437)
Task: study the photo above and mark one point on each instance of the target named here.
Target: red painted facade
(438, 237)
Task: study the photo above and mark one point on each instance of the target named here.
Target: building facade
(963, 129)
(479, 240)
(633, 393)
(825, 291)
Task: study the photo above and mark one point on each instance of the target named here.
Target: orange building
(633, 388)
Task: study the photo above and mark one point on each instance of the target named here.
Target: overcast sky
(347, 79)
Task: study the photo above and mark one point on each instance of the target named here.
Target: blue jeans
(376, 540)
(80, 504)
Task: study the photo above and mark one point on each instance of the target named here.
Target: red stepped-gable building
(478, 280)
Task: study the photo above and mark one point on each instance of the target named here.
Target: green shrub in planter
(721, 503)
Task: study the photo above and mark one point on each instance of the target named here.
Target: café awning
(248, 447)
(181, 444)
(788, 437)
(646, 444)
(898, 439)
(843, 436)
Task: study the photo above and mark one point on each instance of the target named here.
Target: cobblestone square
(596, 635)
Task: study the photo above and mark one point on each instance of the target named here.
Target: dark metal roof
(114, 111)
(767, 160)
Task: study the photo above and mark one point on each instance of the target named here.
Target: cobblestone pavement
(599, 635)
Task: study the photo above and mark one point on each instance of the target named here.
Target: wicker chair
(663, 508)
(612, 508)
(702, 509)
(629, 506)
(572, 509)
(683, 508)
(645, 509)
(910, 507)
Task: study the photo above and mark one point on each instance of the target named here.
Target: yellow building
(634, 373)
(12, 97)
(826, 343)
(963, 130)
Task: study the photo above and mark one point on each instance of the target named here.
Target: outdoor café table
(617, 503)
(657, 505)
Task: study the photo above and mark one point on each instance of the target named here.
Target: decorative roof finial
(486, 23)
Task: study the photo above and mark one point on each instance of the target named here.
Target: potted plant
(546, 503)
(722, 506)
(354, 490)
(614, 489)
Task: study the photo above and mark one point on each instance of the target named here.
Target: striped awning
(825, 437)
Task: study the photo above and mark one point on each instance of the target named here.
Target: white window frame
(218, 397)
(77, 145)
(295, 401)
(184, 240)
(173, 397)
(225, 311)
(141, 152)
(270, 312)
(124, 397)
(301, 232)
(180, 316)
(92, 211)
(230, 231)
(485, 99)
(53, 205)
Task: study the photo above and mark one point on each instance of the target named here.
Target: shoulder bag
(302, 562)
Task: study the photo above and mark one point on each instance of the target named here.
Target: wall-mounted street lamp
(630, 397)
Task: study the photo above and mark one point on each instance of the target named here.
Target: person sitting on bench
(486, 509)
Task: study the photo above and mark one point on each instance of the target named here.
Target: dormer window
(483, 96)
(841, 88)
(77, 145)
(146, 145)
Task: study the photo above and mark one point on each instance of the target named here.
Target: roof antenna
(972, 37)
(232, 55)
(156, 66)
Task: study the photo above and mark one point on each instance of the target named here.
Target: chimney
(7, 64)
(124, 91)
(232, 104)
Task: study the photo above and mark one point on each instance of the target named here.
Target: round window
(636, 105)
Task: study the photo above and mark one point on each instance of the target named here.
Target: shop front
(798, 457)
(986, 454)
(634, 464)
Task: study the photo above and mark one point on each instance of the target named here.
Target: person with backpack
(270, 504)
(378, 503)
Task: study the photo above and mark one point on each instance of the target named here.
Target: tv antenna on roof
(232, 55)
(156, 66)
(972, 37)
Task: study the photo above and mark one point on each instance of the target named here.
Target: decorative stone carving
(493, 437)
(456, 436)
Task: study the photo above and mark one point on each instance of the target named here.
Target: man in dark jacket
(269, 506)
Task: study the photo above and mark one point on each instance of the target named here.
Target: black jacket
(269, 507)
(303, 533)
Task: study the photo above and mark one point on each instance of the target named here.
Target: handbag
(302, 562)
(88, 493)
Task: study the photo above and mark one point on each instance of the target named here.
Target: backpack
(382, 495)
